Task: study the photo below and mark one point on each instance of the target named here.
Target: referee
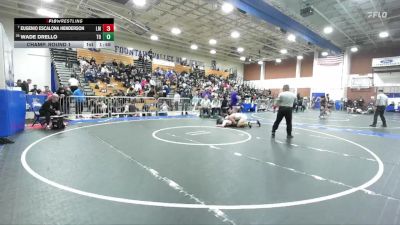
(285, 102)
(381, 103)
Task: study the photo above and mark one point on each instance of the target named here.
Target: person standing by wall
(381, 103)
(285, 102)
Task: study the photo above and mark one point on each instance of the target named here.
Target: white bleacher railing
(89, 107)
(264, 105)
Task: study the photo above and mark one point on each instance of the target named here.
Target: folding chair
(38, 118)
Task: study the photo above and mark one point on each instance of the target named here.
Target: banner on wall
(137, 53)
(385, 62)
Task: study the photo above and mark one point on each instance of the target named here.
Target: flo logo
(381, 15)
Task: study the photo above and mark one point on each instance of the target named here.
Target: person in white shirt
(164, 107)
(285, 102)
(215, 106)
(381, 103)
(205, 104)
(177, 99)
(73, 83)
(138, 86)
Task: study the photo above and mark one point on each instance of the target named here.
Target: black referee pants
(380, 110)
(287, 113)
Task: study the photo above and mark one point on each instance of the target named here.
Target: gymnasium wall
(252, 71)
(307, 64)
(361, 65)
(312, 77)
(285, 69)
(29, 63)
(362, 93)
(186, 52)
(362, 60)
(329, 79)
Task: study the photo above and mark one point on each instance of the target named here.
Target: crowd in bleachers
(196, 87)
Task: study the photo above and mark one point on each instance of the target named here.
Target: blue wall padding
(12, 112)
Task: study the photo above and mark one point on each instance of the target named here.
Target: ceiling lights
(48, 0)
(283, 51)
(328, 30)
(291, 37)
(176, 31)
(324, 54)
(240, 49)
(243, 58)
(212, 42)
(227, 7)
(260, 62)
(194, 46)
(154, 37)
(299, 57)
(47, 13)
(212, 51)
(354, 49)
(235, 34)
(139, 3)
(278, 60)
(383, 34)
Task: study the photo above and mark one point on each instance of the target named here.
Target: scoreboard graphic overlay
(63, 33)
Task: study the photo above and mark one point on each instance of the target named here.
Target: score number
(108, 32)
(108, 27)
(107, 36)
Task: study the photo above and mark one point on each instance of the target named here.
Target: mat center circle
(201, 135)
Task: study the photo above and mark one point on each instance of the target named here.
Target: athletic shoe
(289, 136)
(259, 124)
(384, 125)
(372, 125)
(273, 134)
(5, 141)
(249, 124)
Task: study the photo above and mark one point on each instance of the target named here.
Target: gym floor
(186, 171)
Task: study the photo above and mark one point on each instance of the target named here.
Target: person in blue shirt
(234, 99)
(79, 100)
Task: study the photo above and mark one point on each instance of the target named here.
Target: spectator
(35, 90)
(73, 83)
(138, 87)
(79, 100)
(63, 94)
(47, 91)
(164, 107)
(177, 99)
(224, 106)
(234, 98)
(205, 106)
(215, 106)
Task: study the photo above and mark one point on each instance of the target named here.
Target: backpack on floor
(57, 123)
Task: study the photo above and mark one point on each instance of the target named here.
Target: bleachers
(114, 85)
(145, 66)
(103, 57)
(64, 73)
